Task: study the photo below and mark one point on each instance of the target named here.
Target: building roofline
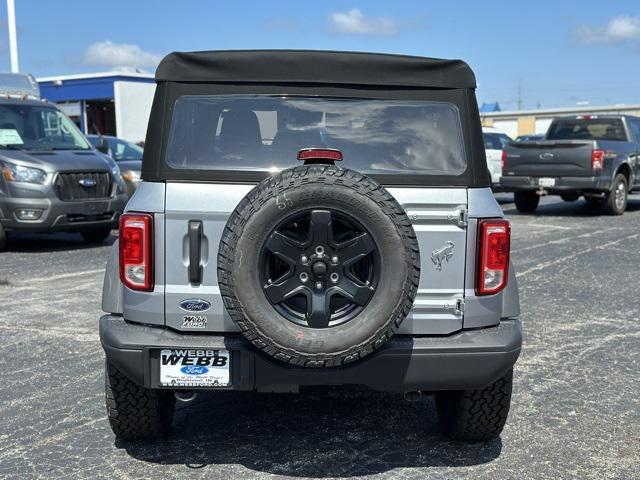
(85, 76)
(555, 111)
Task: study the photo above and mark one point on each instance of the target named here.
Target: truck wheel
(3, 238)
(136, 413)
(569, 197)
(616, 202)
(526, 201)
(318, 266)
(96, 236)
(475, 415)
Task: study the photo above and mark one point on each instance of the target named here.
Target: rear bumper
(58, 215)
(562, 184)
(466, 360)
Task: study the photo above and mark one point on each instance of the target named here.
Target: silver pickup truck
(595, 156)
(312, 218)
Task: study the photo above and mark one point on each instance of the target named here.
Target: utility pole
(13, 39)
(520, 94)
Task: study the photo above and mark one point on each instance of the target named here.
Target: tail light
(503, 160)
(493, 256)
(136, 259)
(597, 160)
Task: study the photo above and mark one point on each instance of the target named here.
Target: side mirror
(103, 146)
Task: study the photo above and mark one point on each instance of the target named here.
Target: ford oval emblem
(194, 370)
(87, 182)
(195, 305)
(546, 156)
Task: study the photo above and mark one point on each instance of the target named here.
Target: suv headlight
(18, 173)
(117, 176)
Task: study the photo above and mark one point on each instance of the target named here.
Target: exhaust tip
(185, 396)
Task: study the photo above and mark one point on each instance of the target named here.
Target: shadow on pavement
(336, 432)
(560, 208)
(51, 242)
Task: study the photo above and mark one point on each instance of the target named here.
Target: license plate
(547, 182)
(95, 208)
(195, 368)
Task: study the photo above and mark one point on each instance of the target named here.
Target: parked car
(494, 142)
(534, 137)
(127, 155)
(595, 156)
(52, 179)
(249, 260)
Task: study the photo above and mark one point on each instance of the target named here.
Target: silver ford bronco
(312, 218)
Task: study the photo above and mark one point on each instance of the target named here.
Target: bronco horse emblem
(442, 253)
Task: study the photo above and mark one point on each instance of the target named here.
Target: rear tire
(616, 202)
(526, 201)
(135, 412)
(96, 236)
(3, 238)
(475, 415)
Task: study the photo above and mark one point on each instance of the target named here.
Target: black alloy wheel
(319, 268)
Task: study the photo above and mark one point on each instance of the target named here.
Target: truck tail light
(136, 259)
(597, 160)
(493, 256)
(503, 160)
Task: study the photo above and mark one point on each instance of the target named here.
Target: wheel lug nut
(319, 250)
(335, 260)
(304, 259)
(319, 285)
(304, 277)
(334, 277)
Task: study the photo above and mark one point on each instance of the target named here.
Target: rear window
(265, 133)
(587, 129)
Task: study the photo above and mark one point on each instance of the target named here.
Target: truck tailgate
(549, 158)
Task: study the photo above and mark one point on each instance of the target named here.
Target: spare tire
(318, 266)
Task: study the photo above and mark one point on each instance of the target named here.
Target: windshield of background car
(587, 129)
(265, 133)
(495, 141)
(121, 150)
(33, 127)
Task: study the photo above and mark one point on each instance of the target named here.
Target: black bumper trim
(563, 184)
(466, 360)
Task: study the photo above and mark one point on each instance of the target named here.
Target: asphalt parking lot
(575, 410)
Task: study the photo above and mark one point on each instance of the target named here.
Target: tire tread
(269, 189)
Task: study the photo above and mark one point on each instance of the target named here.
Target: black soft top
(315, 67)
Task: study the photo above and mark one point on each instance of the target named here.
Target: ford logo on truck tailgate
(546, 156)
(195, 305)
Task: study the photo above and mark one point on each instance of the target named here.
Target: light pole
(13, 39)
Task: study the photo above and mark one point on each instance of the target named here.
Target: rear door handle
(195, 251)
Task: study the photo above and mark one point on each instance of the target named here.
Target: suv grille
(69, 186)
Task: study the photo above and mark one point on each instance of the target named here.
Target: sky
(544, 53)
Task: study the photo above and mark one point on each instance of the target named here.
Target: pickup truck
(595, 156)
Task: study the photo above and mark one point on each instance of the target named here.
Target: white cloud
(622, 28)
(119, 55)
(355, 23)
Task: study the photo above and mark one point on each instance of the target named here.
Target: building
(110, 103)
(524, 122)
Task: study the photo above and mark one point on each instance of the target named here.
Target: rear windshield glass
(265, 133)
(587, 129)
